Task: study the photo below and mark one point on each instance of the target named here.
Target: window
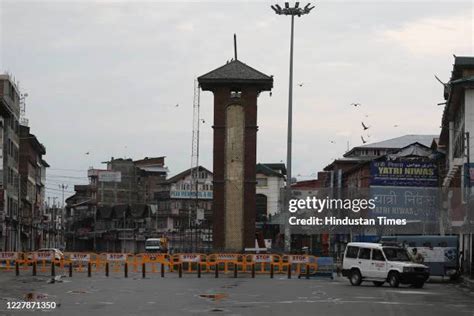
(352, 252)
(262, 182)
(377, 255)
(235, 94)
(364, 253)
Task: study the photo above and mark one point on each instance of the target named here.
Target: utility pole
(63, 209)
(292, 11)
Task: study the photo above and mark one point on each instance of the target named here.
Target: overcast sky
(105, 77)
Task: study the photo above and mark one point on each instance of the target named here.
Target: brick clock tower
(236, 87)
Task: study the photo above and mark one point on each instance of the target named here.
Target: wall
(469, 118)
(272, 192)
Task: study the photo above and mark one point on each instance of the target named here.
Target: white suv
(379, 263)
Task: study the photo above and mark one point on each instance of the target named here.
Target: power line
(60, 190)
(66, 169)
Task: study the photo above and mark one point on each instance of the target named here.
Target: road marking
(414, 292)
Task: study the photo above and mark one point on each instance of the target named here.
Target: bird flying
(356, 104)
(365, 127)
(363, 140)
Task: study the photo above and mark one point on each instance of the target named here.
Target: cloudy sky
(105, 77)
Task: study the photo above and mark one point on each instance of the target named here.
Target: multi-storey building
(457, 140)
(36, 228)
(10, 220)
(114, 212)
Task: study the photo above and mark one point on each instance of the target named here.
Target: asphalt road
(243, 296)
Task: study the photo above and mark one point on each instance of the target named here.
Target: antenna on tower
(194, 187)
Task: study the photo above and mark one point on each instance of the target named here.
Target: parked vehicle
(440, 253)
(156, 245)
(379, 264)
(46, 254)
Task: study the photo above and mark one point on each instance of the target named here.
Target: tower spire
(235, 46)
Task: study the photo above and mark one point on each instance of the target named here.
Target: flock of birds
(365, 127)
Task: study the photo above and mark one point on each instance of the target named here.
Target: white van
(382, 263)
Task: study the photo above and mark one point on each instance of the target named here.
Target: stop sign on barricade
(258, 258)
(80, 257)
(190, 257)
(4, 256)
(116, 256)
(298, 259)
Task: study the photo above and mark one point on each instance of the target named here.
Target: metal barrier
(182, 263)
(8, 260)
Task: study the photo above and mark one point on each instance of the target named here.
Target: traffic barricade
(263, 263)
(113, 262)
(225, 262)
(78, 261)
(42, 260)
(154, 262)
(299, 264)
(325, 267)
(189, 262)
(8, 260)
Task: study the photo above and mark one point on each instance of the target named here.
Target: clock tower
(236, 87)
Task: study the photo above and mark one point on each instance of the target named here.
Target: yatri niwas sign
(408, 174)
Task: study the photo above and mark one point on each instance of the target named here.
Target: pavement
(116, 295)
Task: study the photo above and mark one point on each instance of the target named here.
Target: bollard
(162, 270)
(89, 269)
(106, 269)
(235, 270)
(253, 270)
(53, 268)
(199, 269)
(17, 268)
(289, 271)
(125, 269)
(272, 270)
(307, 271)
(34, 268)
(143, 270)
(217, 270)
(180, 270)
(70, 269)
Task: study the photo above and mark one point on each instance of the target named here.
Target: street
(243, 296)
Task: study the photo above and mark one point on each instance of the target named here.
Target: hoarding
(405, 203)
(110, 176)
(191, 194)
(413, 174)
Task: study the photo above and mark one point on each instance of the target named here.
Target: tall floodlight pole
(292, 11)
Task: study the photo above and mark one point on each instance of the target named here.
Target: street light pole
(292, 11)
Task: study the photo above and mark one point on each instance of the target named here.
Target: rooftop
(235, 71)
(397, 143)
(184, 174)
(270, 171)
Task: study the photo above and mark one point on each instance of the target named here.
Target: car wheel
(418, 285)
(393, 279)
(378, 283)
(355, 278)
